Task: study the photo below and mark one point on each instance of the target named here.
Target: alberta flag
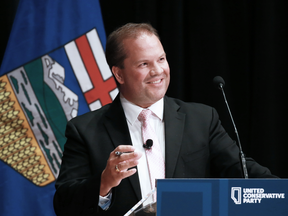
(54, 69)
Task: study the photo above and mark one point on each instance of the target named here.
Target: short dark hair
(115, 51)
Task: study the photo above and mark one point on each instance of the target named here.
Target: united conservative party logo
(38, 98)
(252, 195)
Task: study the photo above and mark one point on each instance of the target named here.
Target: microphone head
(219, 82)
(148, 144)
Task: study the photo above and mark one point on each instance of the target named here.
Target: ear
(118, 73)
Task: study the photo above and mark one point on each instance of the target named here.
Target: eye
(143, 64)
(162, 58)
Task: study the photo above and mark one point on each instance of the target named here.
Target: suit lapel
(118, 131)
(174, 126)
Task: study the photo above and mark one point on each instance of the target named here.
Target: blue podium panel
(222, 197)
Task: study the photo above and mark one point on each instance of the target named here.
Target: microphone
(220, 83)
(148, 144)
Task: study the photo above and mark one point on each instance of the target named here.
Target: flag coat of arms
(54, 69)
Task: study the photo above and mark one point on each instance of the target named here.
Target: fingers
(122, 149)
(127, 156)
(119, 166)
(127, 164)
(128, 173)
(124, 153)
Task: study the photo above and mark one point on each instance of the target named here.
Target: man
(98, 174)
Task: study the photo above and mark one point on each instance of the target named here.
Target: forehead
(144, 44)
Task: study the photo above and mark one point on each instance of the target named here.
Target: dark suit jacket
(196, 146)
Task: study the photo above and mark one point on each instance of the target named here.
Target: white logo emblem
(236, 195)
(252, 195)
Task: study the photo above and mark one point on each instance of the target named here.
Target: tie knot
(144, 115)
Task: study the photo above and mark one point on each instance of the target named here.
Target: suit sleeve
(77, 189)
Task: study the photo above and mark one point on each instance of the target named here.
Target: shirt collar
(132, 111)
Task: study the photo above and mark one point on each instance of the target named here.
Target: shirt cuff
(104, 202)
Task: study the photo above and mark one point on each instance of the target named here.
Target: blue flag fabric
(54, 69)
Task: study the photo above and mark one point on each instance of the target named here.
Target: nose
(156, 69)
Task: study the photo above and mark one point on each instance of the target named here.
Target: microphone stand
(241, 154)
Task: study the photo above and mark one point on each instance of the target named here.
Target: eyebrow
(143, 60)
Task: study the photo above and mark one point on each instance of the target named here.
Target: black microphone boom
(220, 83)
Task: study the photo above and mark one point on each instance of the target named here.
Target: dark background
(245, 42)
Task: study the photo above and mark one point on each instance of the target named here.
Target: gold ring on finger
(117, 169)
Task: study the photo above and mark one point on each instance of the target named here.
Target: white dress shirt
(157, 123)
(156, 120)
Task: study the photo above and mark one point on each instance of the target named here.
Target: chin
(157, 97)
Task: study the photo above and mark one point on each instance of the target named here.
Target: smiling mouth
(156, 82)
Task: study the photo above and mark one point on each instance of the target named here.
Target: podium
(222, 197)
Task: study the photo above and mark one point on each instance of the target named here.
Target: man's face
(146, 74)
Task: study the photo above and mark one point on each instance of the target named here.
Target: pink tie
(154, 156)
